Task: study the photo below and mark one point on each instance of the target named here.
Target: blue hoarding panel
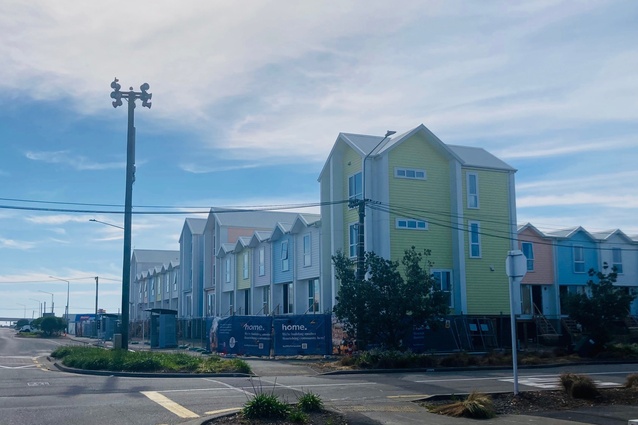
(303, 335)
(244, 335)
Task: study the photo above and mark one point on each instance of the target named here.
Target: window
(246, 302)
(472, 190)
(354, 237)
(444, 281)
(175, 283)
(285, 264)
(407, 223)
(262, 261)
(152, 287)
(409, 173)
(209, 304)
(579, 259)
(616, 260)
(288, 298)
(245, 266)
(168, 283)
(475, 239)
(355, 187)
(528, 252)
(265, 300)
(227, 270)
(313, 295)
(231, 303)
(307, 258)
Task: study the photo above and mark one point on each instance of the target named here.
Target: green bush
(93, 358)
(265, 406)
(309, 402)
(298, 416)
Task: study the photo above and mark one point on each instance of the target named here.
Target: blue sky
(248, 100)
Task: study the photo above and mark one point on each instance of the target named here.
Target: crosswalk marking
(551, 383)
(170, 405)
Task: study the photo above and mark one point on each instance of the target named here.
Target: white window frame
(307, 250)
(616, 259)
(529, 255)
(285, 254)
(175, 283)
(411, 224)
(473, 196)
(579, 258)
(354, 192)
(227, 270)
(474, 238)
(265, 300)
(314, 296)
(410, 173)
(245, 266)
(262, 261)
(438, 279)
(288, 295)
(353, 230)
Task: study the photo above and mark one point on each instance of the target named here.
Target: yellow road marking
(215, 412)
(170, 405)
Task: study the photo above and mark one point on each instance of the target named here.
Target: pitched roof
(607, 234)
(257, 219)
(479, 157)
(196, 225)
(155, 256)
(568, 233)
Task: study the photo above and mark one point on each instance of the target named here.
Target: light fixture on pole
(361, 203)
(104, 222)
(45, 292)
(66, 309)
(40, 303)
(515, 268)
(130, 96)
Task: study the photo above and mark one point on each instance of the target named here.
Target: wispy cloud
(76, 161)
(15, 244)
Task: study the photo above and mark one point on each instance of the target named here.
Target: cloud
(15, 244)
(78, 162)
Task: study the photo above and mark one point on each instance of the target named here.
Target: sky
(249, 97)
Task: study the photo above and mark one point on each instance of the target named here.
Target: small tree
(606, 305)
(22, 322)
(51, 324)
(384, 308)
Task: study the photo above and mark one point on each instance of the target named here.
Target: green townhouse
(457, 201)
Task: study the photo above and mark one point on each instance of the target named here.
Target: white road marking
(553, 383)
(170, 405)
(216, 412)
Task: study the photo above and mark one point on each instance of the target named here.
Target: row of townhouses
(459, 202)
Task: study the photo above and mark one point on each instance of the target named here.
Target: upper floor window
(168, 283)
(227, 270)
(409, 173)
(307, 257)
(353, 238)
(262, 261)
(285, 264)
(475, 239)
(407, 223)
(528, 252)
(355, 186)
(245, 266)
(175, 283)
(443, 279)
(616, 259)
(472, 190)
(579, 259)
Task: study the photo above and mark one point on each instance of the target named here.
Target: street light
(25, 310)
(51, 301)
(130, 96)
(40, 302)
(104, 222)
(362, 210)
(66, 309)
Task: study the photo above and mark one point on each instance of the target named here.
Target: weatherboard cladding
(351, 165)
(543, 250)
(487, 290)
(427, 200)
(566, 275)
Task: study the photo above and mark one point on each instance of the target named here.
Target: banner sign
(309, 334)
(244, 335)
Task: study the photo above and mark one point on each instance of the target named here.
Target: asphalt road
(29, 393)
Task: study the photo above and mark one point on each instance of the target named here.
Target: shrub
(265, 406)
(475, 406)
(579, 386)
(632, 381)
(298, 416)
(309, 402)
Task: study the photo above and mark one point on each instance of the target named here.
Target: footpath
(408, 413)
